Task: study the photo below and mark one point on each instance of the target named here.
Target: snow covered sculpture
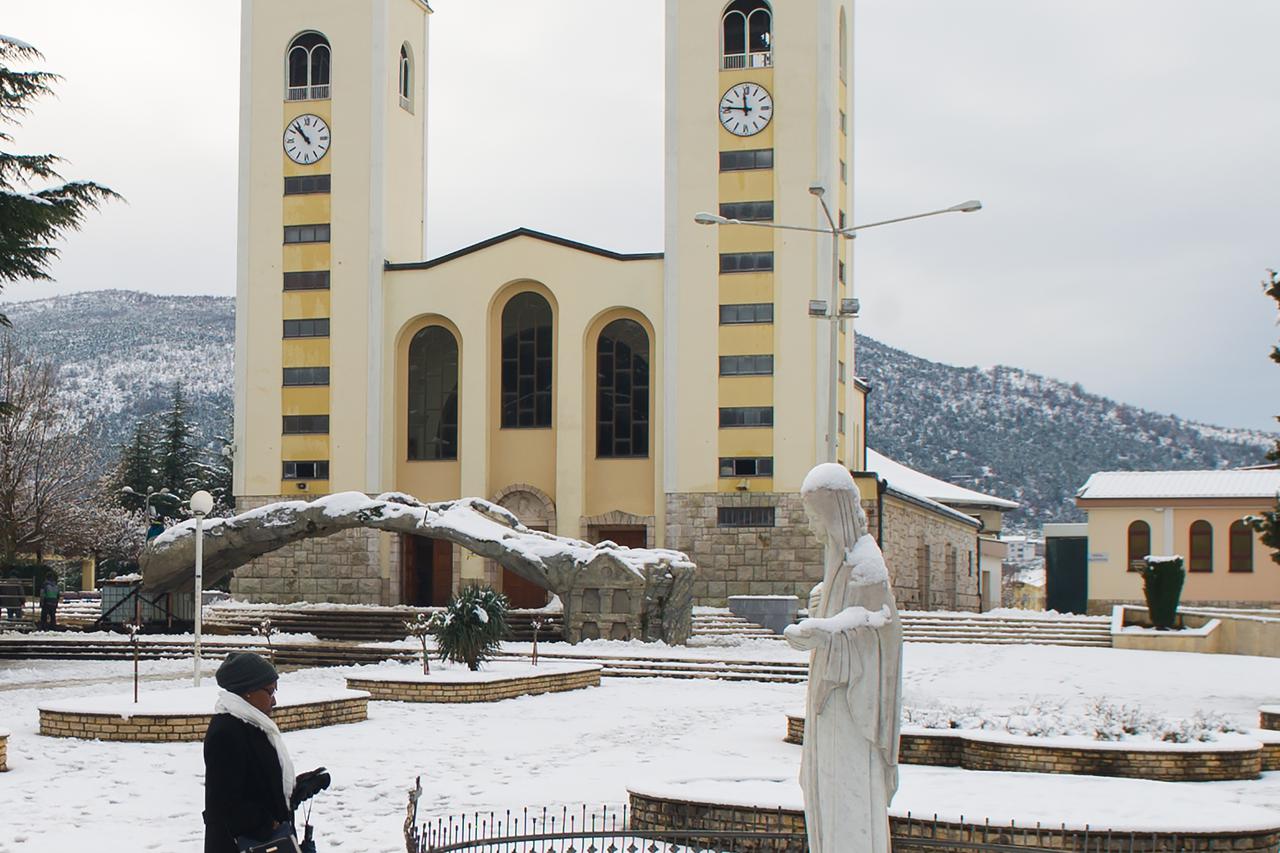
(664, 578)
(849, 769)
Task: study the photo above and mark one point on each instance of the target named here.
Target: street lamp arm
(712, 219)
(963, 207)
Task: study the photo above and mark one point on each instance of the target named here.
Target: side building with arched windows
(672, 398)
(1201, 516)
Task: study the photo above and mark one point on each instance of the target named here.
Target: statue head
(834, 506)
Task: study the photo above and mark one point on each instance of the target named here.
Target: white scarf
(238, 707)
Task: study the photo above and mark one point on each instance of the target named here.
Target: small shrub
(1162, 579)
(472, 627)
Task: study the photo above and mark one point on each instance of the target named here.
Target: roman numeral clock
(746, 109)
(306, 139)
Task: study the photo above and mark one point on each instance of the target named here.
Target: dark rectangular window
(746, 261)
(746, 365)
(748, 211)
(318, 280)
(841, 266)
(745, 516)
(844, 122)
(318, 470)
(844, 172)
(746, 466)
(306, 376)
(306, 234)
(306, 184)
(306, 424)
(737, 161)
(746, 416)
(314, 328)
(747, 312)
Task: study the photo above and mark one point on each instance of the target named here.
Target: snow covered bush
(472, 626)
(423, 626)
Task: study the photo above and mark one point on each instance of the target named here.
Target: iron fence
(615, 830)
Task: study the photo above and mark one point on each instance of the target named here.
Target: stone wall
(4, 752)
(932, 556)
(974, 752)
(1270, 718)
(476, 691)
(180, 727)
(655, 814)
(343, 569)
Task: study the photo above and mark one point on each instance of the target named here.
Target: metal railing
(610, 830)
(755, 59)
(307, 93)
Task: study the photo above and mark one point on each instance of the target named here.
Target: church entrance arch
(537, 511)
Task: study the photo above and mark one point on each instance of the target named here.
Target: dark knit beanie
(245, 672)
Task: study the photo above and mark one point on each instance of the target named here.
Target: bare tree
(45, 459)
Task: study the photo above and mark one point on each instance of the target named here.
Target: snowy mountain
(1003, 431)
(1026, 437)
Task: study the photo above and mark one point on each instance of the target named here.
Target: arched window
(406, 78)
(526, 362)
(622, 390)
(433, 394)
(747, 35)
(1240, 538)
(843, 47)
(309, 57)
(1201, 547)
(1139, 545)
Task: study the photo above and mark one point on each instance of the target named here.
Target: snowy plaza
(591, 746)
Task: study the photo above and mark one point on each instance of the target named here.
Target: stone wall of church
(340, 569)
(931, 556)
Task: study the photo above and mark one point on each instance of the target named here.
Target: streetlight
(201, 505)
(835, 310)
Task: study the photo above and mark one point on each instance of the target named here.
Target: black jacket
(242, 791)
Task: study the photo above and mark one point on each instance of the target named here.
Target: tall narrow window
(1241, 541)
(747, 35)
(1139, 545)
(433, 395)
(526, 362)
(1201, 547)
(308, 68)
(622, 390)
(406, 78)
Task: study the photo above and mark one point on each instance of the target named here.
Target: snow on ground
(587, 746)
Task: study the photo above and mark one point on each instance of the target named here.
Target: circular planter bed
(931, 805)
(4, 750)
(183, 715)
(502, 679)
(1270, 717)
(1233, 757)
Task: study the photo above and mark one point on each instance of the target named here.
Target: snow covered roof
(910, 480)
(1262, 484)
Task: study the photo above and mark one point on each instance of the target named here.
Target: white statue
(849, 769)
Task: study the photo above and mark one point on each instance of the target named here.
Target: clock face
(306, 139)
(746, 109)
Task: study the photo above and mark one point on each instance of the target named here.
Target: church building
(673, 399)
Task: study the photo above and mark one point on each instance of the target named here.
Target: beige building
(1199, 515)
(674, 398)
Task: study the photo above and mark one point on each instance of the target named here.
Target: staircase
(358, 624)
(719, 622)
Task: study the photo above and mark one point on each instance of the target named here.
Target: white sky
(1126, 153)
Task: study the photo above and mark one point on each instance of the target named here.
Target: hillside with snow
(1002, 430)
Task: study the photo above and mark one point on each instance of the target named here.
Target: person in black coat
(244, 763)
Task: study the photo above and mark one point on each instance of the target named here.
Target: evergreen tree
(1268, 523)
(176, 455)
(136, 470)
(32, 219)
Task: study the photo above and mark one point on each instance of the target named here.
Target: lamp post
(201, 505)
(835, 310)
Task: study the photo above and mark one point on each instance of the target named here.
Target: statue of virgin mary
(849, 768)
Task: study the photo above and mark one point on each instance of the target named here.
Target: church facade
(674, 398)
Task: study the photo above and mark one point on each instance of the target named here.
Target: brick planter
(454, 687)
(976, 751)
(4, 751)
(176, 727)
(652, 813)
(1271, 717)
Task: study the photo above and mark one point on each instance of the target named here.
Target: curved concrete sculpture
(661, 578)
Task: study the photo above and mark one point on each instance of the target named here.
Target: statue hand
(805, 637)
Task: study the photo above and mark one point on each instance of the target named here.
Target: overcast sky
(1128, 154)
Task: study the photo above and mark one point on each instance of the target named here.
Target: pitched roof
(524, 232)
(1263, 484)
(911, 480)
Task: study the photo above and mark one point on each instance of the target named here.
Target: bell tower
(332, 186)
(759, 99)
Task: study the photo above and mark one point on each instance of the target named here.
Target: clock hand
(298, 127)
